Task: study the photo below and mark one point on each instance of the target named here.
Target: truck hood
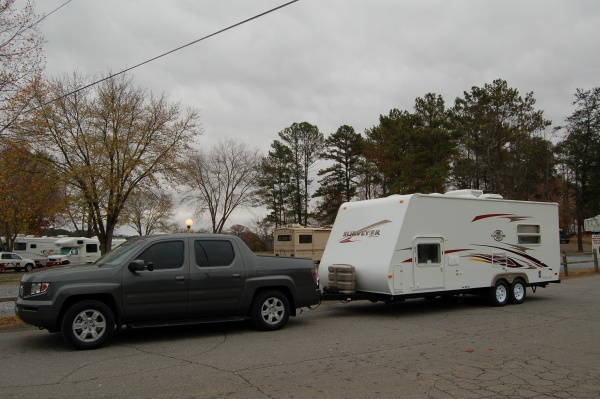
(66, 273)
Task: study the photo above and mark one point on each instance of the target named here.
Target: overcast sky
(328, 62)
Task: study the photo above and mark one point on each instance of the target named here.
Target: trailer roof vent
(468, 193)
(492, 196)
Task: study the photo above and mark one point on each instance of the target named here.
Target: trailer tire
(499, 294)
(518, 292)
(28, 267)
(88, 324)
(270, 310)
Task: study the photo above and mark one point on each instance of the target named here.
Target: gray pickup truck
(167, 280)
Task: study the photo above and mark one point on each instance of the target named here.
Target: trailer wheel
(88, 324)
(518, 291)
(270, 310)
(28, 267)
(499, 294)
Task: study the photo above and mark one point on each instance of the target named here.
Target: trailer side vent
(342, 278)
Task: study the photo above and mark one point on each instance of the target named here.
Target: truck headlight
(39, 288)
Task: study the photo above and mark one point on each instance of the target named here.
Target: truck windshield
(118, 255)
(63, 251)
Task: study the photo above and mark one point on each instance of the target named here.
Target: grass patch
(7, 278)
(11, 321)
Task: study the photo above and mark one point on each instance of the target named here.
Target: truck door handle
(236, 275)
(180, 278)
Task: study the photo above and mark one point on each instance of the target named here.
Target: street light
(188, 224)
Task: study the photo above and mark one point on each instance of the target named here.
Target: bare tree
(110, 139)
(21, 60)
(148, 211)
(221, 180)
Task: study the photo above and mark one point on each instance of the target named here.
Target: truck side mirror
(150, 266)
(136, 266)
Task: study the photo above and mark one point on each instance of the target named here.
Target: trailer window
(428, 253)
(305, 239)
(529, 234)
(20, 246)
(91, 248)
(32, 246)
(211, 253)
(284, 237)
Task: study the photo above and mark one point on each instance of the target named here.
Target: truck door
(163, 292)
(217, 277)
(428, 263)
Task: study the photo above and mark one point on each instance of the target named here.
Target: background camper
(301, 242)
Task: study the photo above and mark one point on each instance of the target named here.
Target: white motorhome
(423, 245)
(77, 250)
(300, 242)
(592, 225)
(35, 248)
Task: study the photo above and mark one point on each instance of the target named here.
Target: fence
(593, 258)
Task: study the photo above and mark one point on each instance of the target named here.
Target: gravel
(8, 290)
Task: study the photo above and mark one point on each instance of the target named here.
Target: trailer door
(428, 263)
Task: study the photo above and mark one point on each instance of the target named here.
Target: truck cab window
(209, 253)
(164, 255)
(428, 253)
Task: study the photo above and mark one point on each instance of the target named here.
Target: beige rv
(301, 242)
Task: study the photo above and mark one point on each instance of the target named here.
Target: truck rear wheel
(499, 293)
(88, 324)
(518, 291)
(270, 310)
(28, 267)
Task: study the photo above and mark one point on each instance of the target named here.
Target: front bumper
(42, 314)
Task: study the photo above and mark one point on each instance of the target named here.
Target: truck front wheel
(88, 324)
(28, 267)
(270, 310)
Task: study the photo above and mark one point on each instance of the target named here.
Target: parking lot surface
(548, 347)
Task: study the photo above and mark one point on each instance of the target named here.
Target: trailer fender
(509, 277)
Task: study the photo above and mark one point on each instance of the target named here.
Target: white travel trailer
(423, 245)
(300, 242)
(77, 250)
(35, 248)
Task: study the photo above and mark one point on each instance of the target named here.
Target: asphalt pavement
(547, 347)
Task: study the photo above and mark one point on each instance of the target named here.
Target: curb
(8, 299)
